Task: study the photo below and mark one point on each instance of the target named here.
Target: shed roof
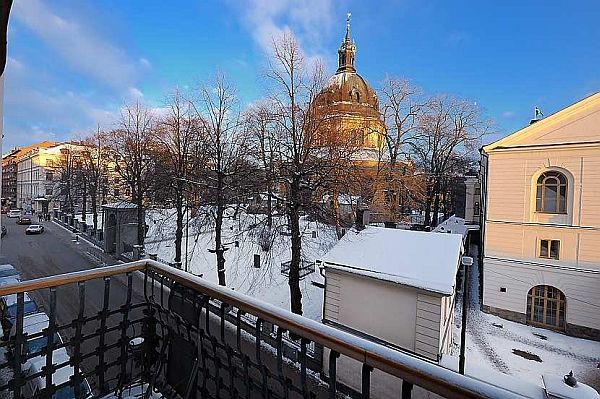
(428, 261)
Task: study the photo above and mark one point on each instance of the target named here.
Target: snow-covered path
(492, 342)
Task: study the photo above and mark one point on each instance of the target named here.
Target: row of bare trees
(202, 150)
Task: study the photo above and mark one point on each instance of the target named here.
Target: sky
(73, 64)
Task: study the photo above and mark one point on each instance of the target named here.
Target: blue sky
(72, 64)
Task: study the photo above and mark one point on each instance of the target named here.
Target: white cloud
(268, 19)
(508, 114)
(36, 110)
(135, 93)
(145, 63)
(84, 50)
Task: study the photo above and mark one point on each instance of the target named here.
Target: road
(55, 252)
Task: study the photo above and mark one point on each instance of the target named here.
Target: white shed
(395, 287)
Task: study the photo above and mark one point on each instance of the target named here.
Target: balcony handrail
(417, 371)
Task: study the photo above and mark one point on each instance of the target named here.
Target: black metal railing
(147, 323)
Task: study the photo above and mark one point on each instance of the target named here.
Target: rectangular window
(549, 249)
(49, 176)
(49, 191)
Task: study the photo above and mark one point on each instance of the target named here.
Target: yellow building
(541, 222)
(350, 109)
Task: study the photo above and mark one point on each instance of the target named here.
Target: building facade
(9, 172)
(541, 222)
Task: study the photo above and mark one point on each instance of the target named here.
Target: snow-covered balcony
(178, 335)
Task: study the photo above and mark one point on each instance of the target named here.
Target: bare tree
(180, 140)
(401, 109)
(224, 176)
(294, 87)
(132, 146)
(95, 169)
(449, 130)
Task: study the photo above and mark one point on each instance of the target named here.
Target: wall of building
(400, 315)
(513, 228)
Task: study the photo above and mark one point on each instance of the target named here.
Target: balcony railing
(174, 333)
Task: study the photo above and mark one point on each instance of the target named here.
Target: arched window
(546, 307)
(551, 194)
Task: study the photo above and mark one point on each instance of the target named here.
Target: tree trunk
(94, 203)
(219, 250)
(336, 214)
(294, 279)
(179, 228)
(436, 210)
(141, 223)
(84, 202)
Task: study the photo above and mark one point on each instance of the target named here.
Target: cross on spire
(347, 51)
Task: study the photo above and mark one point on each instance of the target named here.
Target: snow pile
(418, 259)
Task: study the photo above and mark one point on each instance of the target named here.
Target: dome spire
(347, 51)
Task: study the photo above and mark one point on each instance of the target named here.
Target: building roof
(553, 129)
(428, 261)
(120, 205)
(17, 153)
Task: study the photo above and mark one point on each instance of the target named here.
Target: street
(54, 252)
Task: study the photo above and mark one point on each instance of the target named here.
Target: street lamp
(467, 262)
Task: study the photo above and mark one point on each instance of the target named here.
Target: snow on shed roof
(120, 205)
(418, 259)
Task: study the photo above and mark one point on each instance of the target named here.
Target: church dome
(346, 91)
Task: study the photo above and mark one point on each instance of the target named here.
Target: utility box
(120, 221)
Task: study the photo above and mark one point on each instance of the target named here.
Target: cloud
(85, 51)
(36, 110)
(508, 114)
(268, 19)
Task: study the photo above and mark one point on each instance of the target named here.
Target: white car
(14, 213)
(61, 376)
(8, 270)
(34, 229)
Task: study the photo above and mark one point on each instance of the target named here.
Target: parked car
(24, 220)
(63, 375)
(3, 231)
(33, 324)
(8, 310)
(8, 270)
(14, 213)
(34, 229)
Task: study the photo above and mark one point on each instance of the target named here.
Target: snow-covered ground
(491, 342)
(267, 282)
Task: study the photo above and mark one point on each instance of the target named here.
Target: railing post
(49, 350)
(76, 358)
(18, 377)
(333, 356)
(366, 381)
(149, 335)
(406, 389)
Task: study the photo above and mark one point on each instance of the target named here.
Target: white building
(38, 180)
(541, 222)
(394, 287)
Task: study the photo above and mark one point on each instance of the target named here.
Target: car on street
(24, 220)
(7, 270)
(35, 229)
(14, 213)
(61, 376)
(3, 231)
(8, 310)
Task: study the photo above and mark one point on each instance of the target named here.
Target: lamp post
(466, 261)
